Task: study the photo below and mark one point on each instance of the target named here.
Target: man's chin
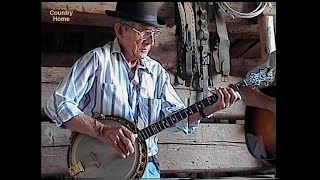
(143, 55)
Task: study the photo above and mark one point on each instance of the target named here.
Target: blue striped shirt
(100, 82)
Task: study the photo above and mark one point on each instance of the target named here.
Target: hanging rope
(236, 14)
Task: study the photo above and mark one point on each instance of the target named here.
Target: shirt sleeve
(62, 105)
(172, 103)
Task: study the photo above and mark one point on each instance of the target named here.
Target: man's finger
(227, 97)
(123, 148)
(233, 94)
(117, 147)
(129, 135)
(127, 143)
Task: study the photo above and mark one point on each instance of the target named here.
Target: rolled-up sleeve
(63, 103)
(172, 103)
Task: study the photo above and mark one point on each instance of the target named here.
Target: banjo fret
(158, 127)
(141, 134)
(154, 129)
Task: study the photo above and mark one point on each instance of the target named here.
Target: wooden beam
(54, 160)
(267, 36)
(53, 74)
(46, 90)
(240, 47)
(241, 66)
(212, 148)
(254, 52)
(218, 158)
(245, 63)
(93, 15)
(59, 59)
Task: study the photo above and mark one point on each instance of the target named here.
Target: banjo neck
(261, 77)
(158, 126)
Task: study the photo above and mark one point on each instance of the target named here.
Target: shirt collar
(115, 46)
(143, 63)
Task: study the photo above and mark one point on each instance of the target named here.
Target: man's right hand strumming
(119, 137)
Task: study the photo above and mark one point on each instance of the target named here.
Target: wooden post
(267, 38)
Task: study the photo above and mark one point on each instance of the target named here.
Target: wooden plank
(240, 47)
(223, 149)
(51, 135)
(239, 31)
(207, 133)
(240, 66)
(242, 62)
(253, 52)
(61, 59)
(217, 158)
(267, 36)
(46, 90)
(54, 160)
(53, 74)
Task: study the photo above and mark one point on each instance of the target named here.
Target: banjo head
(90, 158)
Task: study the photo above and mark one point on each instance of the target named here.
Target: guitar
(260, 131)
(89, 158)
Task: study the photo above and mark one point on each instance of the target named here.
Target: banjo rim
(142, 157)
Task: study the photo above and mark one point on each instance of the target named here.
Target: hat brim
(159, 24)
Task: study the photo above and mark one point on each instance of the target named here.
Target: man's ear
(119, 30)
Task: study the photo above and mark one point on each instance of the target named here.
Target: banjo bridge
(75, 169)
(94, 158)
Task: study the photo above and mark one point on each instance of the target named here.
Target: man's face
(135, 45)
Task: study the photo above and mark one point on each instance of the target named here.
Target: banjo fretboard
(156, 127)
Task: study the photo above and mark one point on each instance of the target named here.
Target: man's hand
(226, 97)
(119, 137)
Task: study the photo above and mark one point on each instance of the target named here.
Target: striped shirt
(100, 82)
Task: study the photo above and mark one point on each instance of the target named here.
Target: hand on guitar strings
(226, 97)
(120, 138)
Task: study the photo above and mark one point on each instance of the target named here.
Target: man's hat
(141, 12)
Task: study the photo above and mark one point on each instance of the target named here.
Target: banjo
(89, 158)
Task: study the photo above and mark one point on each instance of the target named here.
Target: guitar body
(89, 158)
(260, 131)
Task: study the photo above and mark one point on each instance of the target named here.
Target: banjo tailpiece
(75, 169)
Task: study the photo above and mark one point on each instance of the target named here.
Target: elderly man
(120, 79)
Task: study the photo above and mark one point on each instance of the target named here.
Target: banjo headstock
(261, 78)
